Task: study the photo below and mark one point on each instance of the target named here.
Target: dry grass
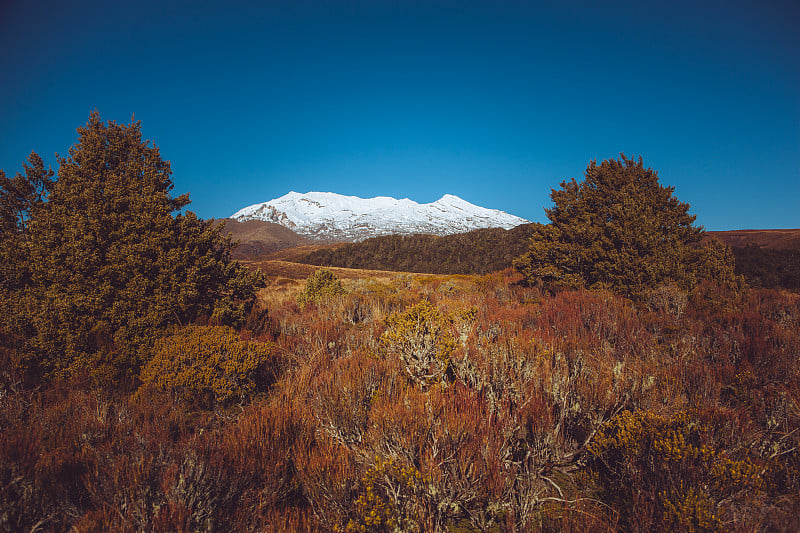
(285, 279)
(778, 239)
(572, 412)
(290, 270)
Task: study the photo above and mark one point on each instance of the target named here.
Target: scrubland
(148, 382)
(428, 403)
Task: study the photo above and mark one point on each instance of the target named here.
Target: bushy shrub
(320, 286)
(71, 460)
(669, 299)
(667, 472)
(620, 229)
(388, 499)
(105, 264)
(211, 365)
(421, 337)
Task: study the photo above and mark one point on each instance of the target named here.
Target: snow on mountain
(330, 217)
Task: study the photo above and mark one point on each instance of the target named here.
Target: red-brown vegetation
(439, 403)
(774, 239)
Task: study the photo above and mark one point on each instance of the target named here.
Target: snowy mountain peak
(331, 217)
(451, 198)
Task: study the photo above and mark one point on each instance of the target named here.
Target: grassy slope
(776, 239)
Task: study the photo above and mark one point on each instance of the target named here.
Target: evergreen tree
(18, 197)
(112, 266)
(620, 229)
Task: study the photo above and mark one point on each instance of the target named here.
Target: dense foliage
(668, 471)
(475, 252)
(320, 286)
(620, 229)
(576, 411)
(19, 196)
(210, 365)
(103, 265)
(769, 268)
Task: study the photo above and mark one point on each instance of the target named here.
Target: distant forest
(489, 250)
(476, 252)
(769, 268)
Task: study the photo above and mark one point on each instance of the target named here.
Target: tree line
(476, 252)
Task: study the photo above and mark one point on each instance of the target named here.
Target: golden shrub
(210, 365)
(421, 337)
(667, 469)
(388, 499)
(320, 286)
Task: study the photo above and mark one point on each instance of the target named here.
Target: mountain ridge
(764, 257)
(331, 217)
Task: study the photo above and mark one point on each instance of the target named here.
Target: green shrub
(210, 365)
(667, 472)
(320, 286)
(389, 499)
(106, 262)
(620, 229)
(421, 337)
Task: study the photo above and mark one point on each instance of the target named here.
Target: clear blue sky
(496, 101)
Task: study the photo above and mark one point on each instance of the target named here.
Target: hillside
(259, 238)
(774, 239)
(765, 257)
(476, 252)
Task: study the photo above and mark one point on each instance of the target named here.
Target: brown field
(435, 403)
(300, 271)
(285, 279)
(777, 239)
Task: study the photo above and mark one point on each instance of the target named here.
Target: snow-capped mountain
(330, 217)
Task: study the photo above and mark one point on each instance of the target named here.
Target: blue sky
(496, 102)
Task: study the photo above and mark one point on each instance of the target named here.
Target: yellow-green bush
(421, 337)
(388, 499)
(320, 286)
(666, 471)
(210, 365)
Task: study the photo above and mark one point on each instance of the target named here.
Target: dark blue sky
(496, 102)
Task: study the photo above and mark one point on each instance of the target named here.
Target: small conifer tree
(112, 266)
(18, 197)
(620, 229)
